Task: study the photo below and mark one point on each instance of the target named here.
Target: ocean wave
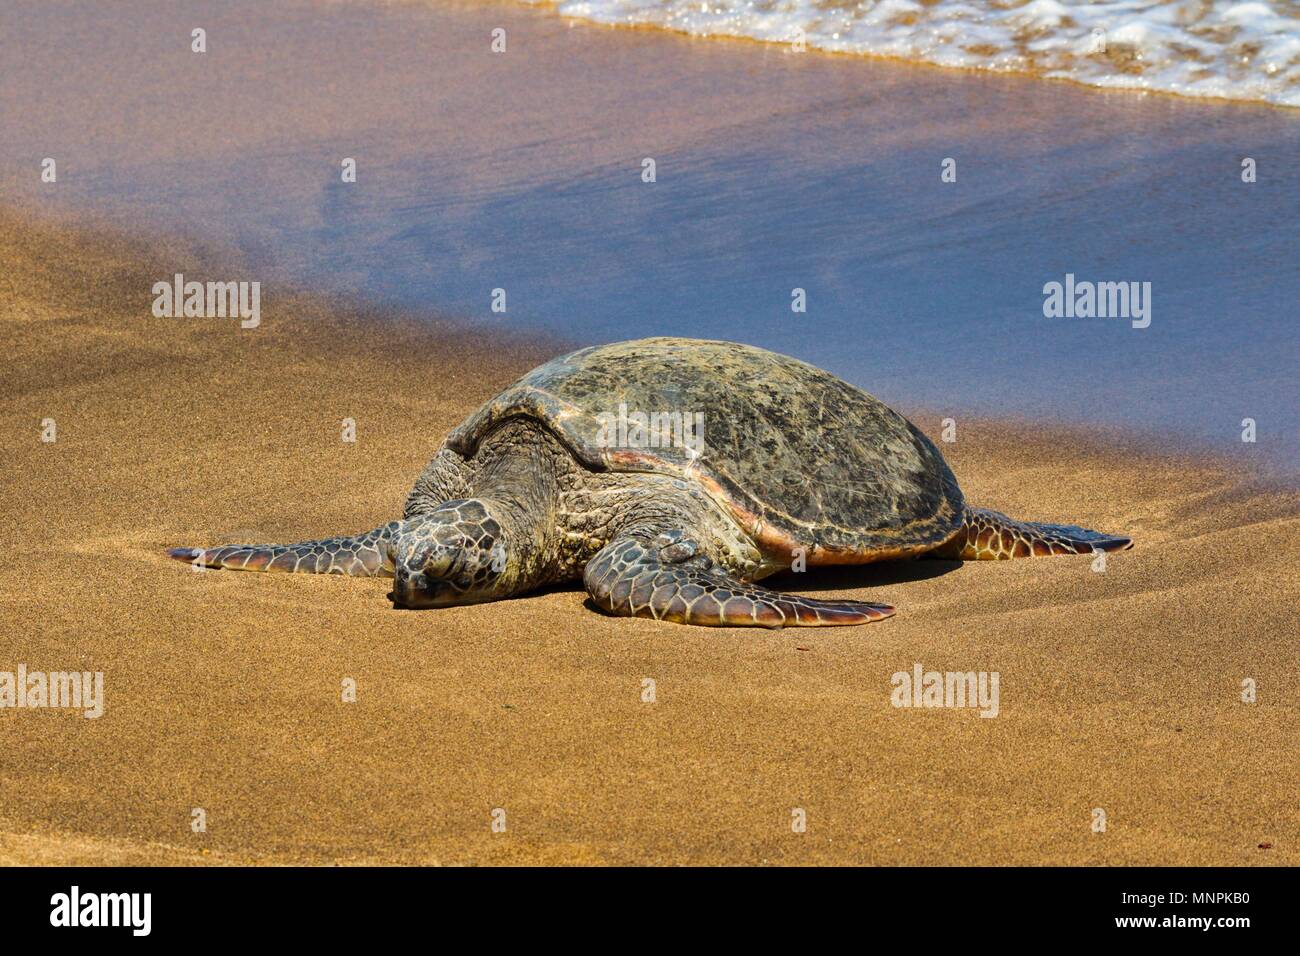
(1241, 51)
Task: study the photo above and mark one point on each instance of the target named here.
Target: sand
(1120, 690)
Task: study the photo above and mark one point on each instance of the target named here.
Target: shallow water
(774, 171)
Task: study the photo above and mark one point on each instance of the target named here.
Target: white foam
(1244, 51)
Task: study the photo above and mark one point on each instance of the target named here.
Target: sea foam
(1242, 51)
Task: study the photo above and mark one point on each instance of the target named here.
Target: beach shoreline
(899, 227)
(900, 61)
(1122, 690)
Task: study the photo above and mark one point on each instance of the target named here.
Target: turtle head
(456, 554)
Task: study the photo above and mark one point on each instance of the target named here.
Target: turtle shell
(799, 457)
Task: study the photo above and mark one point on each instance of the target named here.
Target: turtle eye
(437, 564)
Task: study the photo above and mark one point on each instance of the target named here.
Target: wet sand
(775, 171)
(1119, 690)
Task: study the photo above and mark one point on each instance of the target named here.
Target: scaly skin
(525, 515)
(666, 578)
(363, 555)
(532, 516)
(525, 494)
(992, 536)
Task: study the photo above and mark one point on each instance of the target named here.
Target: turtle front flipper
(663, 577)
(364, 555)
(992, 536)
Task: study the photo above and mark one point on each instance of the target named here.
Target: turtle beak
(417, 591)
(411, 586)
(415, 587)
(408, 589)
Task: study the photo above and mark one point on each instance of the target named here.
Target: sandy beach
(1123, 689)
(1119, 690)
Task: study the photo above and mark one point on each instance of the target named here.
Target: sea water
(904, 228)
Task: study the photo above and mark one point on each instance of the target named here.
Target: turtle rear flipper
(665, 579)
(363, 555)
(991, 536)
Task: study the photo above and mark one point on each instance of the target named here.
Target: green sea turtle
(669, 475)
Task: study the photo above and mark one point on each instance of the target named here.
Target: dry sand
(1119, 690)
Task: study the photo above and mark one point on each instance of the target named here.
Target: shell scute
(801, 458)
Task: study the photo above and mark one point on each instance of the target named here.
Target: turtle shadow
(849, 577)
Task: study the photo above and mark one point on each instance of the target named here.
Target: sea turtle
(669, 475)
